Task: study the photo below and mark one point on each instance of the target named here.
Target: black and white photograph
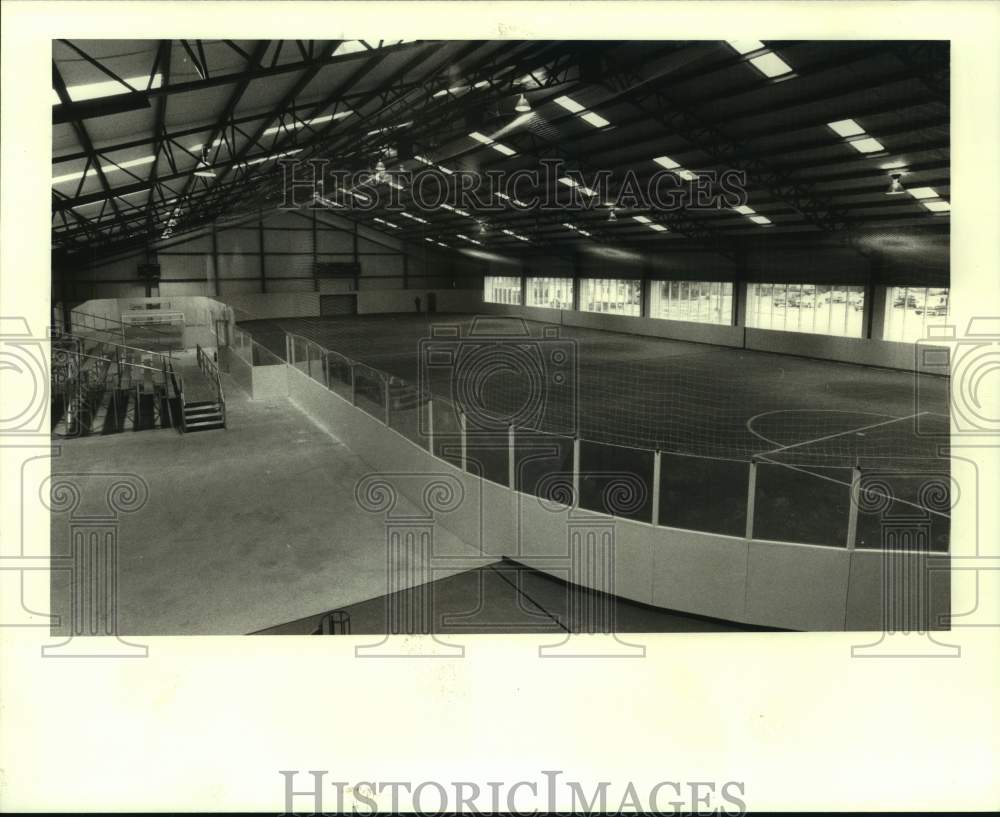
(502, 337)
(499, 407)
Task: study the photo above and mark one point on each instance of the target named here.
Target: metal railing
(746, 498)
(211, 369)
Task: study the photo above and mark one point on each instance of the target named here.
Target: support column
(263, 268)
(215, 260)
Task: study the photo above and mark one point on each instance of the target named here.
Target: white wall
(777, 584)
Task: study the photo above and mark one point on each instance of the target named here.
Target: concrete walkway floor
(243, 528)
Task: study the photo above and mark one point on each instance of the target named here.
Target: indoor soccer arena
(384, 337)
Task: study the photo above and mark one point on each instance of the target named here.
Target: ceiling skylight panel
(771, 65)
(594, 119)
(666, 162)
(868, 144)
(569, 104)
(846, 127)
(746, 46)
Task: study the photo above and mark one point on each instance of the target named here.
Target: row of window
(812, 308)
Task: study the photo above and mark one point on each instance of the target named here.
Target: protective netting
(626, 390)
(749, 444)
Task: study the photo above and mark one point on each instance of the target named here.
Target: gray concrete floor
(244, 528)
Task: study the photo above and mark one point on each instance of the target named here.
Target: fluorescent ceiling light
(97, 90)
(594, 119)
(506, 151)
(898, 164)
(937, 205)
(440, 244)
(867, 145)
(760, 219)
(69, 177)
(444, 169)
(482, 83)
(447, 206)
(445, 91)
(481, 137)
(643, 219)
(923, 192)
(587, 191)
(462, 213)
(428, 238)
(687, 175)
(658, 227)
(423, 160)
(296, 124)
(746, 46)
(584, 232)
(771, 65)
(503, 196)
(846, 127)
(570, 105)
(667, 162)
(566, 180)
(743, 210)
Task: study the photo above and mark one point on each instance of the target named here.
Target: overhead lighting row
(570, 182)
(512, 234)
(647, 221)
(470, 240)
(482, 138)
(576, 229)
(750, 213)
(856, 136)
(301, 123)
(591, 118)
(669, 164)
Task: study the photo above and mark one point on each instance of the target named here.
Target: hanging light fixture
(380, 166)
(522, 105)
(895, 186)
(203, 169)
(482, 228)
(612, 216)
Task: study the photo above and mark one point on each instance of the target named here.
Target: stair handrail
(123, 324)
(180, 378)
(211, 368)
(168, 353)
(108, 361)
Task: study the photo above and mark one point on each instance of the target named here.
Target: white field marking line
(759, 436)
(839, 433)
(868, 491)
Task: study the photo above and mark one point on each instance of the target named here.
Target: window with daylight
(910, 310)
(502, 289)
(611, 295)
(699, 301)
(815, 308)
(554, 293)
